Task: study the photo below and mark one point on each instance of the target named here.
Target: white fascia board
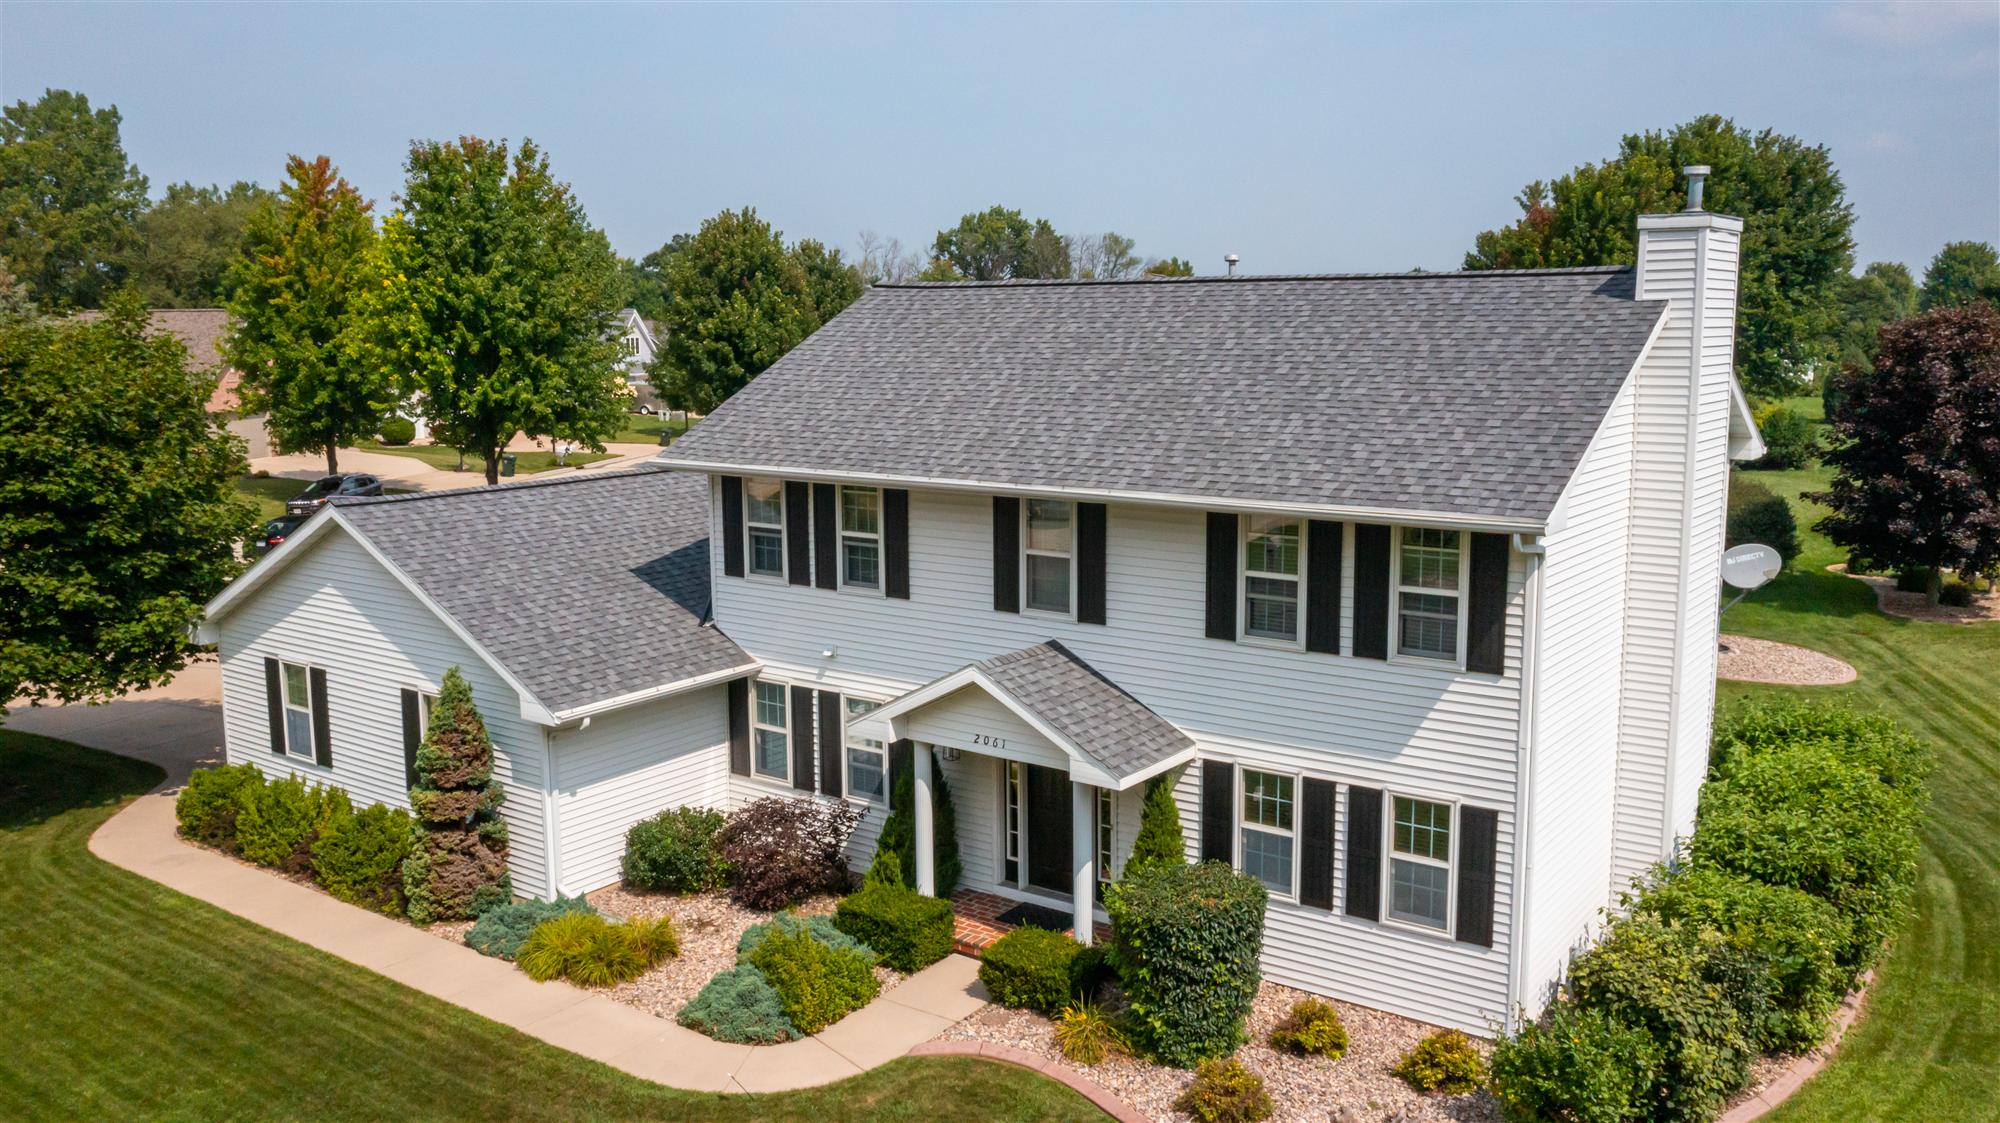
(260, 573)
(1082, 767)
(664, 690)
(1399, 516)
(1559, 514)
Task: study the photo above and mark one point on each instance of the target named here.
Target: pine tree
(899, 832)
(458, 866)
(1160, 842)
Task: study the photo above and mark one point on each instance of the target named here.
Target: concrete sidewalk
(412, 474)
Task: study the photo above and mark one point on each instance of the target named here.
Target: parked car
(276, 531)
(326, 487)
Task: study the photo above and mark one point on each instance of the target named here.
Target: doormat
(1037, 916)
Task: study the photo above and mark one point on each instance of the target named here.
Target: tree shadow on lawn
(42, 778)
(1813, 592)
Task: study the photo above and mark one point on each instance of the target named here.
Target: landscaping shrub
(782, 851)
(820, 928)
(359, 857)
(502, 930)
(1090, 971)
(739, 1005)
(397, 431)
(899, 831)
(654, 936)
(1029, 968)
(676, 850)
(458, 865)
(280, 821)
(1871, 740)
(1160, 842)
(1443, 1062)
(1185, 942)
(1084, 1034)
(1575, 1066)
(1311, 1028)
(592, 951)
(818, 983)
(1955, 594)
(1758, 515)
(1225, 1092)
(1789, 438)
(907, 929)
(1804, 817)
(1796, 936)
(208, 806)
(1913, 579)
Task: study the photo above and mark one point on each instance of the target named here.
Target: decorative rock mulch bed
(1745, 659)
(1301, 1088)
(1916, 606)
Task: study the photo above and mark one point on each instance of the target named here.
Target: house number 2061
(989, 740)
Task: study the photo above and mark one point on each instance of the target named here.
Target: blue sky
(1304, 138)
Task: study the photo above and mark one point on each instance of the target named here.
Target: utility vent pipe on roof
(1231, 260)
(1695, 173)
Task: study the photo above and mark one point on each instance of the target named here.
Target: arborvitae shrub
(899, 831)
(1575, 1066)
(818, 983)
(739, 1005)
(208, 806)
(1225, 1092)
(1185, 941)
(1030, 968)
(501, 931)
(359, 858)
(676, 850)
(1445, 1061)
(1160, 842)
(280, 821)
(1311, 1028)
(458, 865)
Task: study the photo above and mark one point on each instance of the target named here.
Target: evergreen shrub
(676, 850)
(502, 930)
(207, 808)
(739, 1005)
(457, 867)
(818, 983)
(359, 857)
(1185, 941)
(280, 821)
(1030, 968)
(907, 929)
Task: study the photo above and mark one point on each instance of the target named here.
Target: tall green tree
(1104, 257)
(738, 299)
(457, 866)
(1961, 273)
(998, 244)
(68, 198)
(1170, 267)
(186, 243)
(1917, 468)
(497, 297)
(1797, 241)
(1882, 294)
(297, 294)
(118, 519)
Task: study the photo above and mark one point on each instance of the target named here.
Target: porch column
(1083, 855)
(920, 767)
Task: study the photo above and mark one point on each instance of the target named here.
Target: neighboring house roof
(1462, 394)
(201, 331)
(587, 592)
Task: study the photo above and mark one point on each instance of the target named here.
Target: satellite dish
(1750, 565)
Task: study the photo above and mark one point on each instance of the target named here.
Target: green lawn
(126, 1000)
(645, 429)
(438, 456)
(1929, 1047)
(268, 493)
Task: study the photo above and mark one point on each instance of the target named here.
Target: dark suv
(275, 533)
(326, 487)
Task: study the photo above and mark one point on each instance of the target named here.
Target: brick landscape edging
(1055, 1070)
(1806, 1067)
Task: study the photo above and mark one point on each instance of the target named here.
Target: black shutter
(1218, 811)
(1006, 554)
(1316, 844)
(739, 726)
(802, 737)
(902, 760)
(1478, 840)
(1371, 591)
(1221, 576)
(1323, 586)
(1364, 852)
(413, 736)
(896, 543)
(798, 532)
(322, 734)
(732, 526)
(1090, 563)
(274, 704)
(831, 726)
(1486, 615)
(826, 536)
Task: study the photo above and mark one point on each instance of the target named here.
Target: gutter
(666, 690)
(1524, 778)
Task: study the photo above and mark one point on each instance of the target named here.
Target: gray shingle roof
(1113, 727)
(1472, 394)
(586, 588)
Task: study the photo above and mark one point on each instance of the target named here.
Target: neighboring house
(636, 348)
(1409, 579)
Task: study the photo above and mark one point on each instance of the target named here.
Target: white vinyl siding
(764, 527)
(1273, 558)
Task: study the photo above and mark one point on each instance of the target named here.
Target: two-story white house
(1408, 582)
(637, 346)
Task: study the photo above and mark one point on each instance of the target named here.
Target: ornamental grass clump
(1443, 1062)
(591, 951)
(1185, 942)
(1225, 1092)
(502, 930)
(457, 866)
(1311, 1029)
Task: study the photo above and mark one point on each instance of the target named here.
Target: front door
(1049, 830)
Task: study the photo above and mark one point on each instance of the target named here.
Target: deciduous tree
(1961, 273)
(186, 243)
(1104, 257)
(1170, 267)
(117, 515)
(1882, 294)
(1917, 467)
(68, 198)
(296, 303)
(998, 244)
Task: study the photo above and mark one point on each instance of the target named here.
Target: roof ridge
(1423, 275)
(641, 469)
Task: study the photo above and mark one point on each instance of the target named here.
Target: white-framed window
(1013, 776)
(1430, 593)
(770, 733)
(1419, 856)
(867, 758)
(1268, 840)
(764, 523)
(427, 700)
(1273, 557)
(1107, 836)
(296, 682)
(860, 538)
(1048, 560)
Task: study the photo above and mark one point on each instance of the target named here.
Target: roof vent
(1230, 260)
(1695, 173)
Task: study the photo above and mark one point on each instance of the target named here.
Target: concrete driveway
(177, 726)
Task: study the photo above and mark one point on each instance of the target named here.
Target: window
(867, 758)
(764, 515)
(772, 741)
(298, 710)
(425, 702)
(1429, 572)
(1420, 863)
(861, 537)
(1107, 834)
(1013, 787)
(1271, 554)
(1267, 829)
(1047, 571)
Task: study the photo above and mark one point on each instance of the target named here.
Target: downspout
(551, 819)
(1524, 777)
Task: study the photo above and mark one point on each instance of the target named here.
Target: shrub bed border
(1805, 1066)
